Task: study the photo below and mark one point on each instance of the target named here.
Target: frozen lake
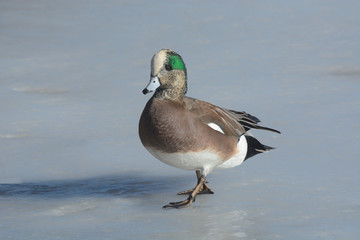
(71, 75)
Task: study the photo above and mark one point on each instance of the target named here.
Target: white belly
(204, 161)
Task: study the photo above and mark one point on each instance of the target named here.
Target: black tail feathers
(255, 147)
(268, 129)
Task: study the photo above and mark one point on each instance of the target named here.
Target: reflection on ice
(123, 186)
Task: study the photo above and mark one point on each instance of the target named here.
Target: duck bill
(152, 86)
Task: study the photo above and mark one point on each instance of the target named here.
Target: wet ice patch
(345, 71)
(13, 136)
(72, 208)
(40, 90)
(233, 224)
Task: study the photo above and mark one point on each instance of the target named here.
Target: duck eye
(168, 67)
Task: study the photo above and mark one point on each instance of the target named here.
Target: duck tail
(255, 147)
(268, 129)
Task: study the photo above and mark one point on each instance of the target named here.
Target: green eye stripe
(176, 62)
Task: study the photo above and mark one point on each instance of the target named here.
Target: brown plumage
(191, 134)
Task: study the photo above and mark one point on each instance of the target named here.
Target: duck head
(168, 75)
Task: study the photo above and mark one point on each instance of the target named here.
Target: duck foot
(203, 190)
(187, 202)
(182, 204)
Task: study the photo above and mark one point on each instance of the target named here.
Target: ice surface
(71, 75)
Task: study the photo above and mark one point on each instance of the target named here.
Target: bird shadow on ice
(128, 185)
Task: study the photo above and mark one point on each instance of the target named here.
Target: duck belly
(204, 160)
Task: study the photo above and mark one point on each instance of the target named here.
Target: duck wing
(234, 123)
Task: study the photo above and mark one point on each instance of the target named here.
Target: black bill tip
(145, 91)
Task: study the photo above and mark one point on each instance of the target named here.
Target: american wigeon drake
(190, 134)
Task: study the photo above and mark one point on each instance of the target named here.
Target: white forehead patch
(157, 62)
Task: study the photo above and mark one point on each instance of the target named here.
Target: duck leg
(187, 202)
(204, 189)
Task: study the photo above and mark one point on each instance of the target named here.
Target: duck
(192, 134)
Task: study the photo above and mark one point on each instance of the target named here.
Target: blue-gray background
(71, 75)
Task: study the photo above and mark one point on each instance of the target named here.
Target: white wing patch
(215, 127)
